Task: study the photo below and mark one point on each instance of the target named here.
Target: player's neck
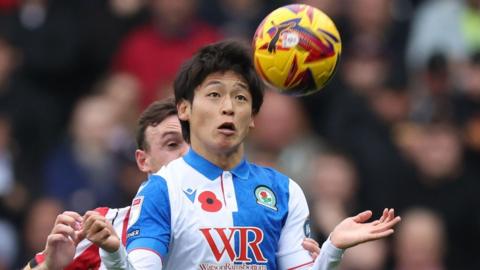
(226, 160)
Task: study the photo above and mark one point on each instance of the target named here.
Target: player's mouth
(227, 128)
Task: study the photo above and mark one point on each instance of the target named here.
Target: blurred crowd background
(398, 126)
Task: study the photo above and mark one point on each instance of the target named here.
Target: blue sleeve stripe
(149, 244)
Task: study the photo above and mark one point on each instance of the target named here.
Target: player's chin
(227, 144)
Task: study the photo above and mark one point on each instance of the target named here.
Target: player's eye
(172, 145)
(241, 97)
(213, 94)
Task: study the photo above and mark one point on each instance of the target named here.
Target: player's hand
(311, 246)
(99, 231)
(354, 230)
(63, 240)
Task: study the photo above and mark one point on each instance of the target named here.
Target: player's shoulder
(268, 174)
(256, 168)
(155, 183)
(174, 171)
(163, 181)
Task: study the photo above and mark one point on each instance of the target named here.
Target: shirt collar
(212, 171)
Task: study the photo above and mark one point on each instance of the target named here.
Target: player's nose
(227, 106)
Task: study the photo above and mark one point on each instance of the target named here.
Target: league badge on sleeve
(266, 197)
(306, 228)
(135, 210)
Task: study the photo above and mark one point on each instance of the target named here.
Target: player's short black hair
(153, 115)
(217, 57)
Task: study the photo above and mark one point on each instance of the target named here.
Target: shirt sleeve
(290, 252)
(150, 218)
(138, 259)
(329, 257)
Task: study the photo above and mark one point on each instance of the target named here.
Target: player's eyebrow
(242, 85)
(168, 133)
(213, 82)
(237, 83)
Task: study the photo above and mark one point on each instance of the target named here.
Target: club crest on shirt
(135, 210)
(266, 197)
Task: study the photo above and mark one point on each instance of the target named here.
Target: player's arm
(61, 243)
(149, 230)
(291, 254)
(356, 230)
(351, 232)
(100, 231)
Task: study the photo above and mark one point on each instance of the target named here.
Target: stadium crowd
(398, 126)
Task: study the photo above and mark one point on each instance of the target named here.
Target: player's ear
(183, 109)
(252, 124)
(143, 162)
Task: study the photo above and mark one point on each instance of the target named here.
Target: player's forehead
(226, 78)
(168, 127)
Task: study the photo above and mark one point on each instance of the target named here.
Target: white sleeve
(291, 254)
(137, 259)
(329, 257)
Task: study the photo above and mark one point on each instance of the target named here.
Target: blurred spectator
(440, 155)
(13, 195)
(8, 246)
(362, 125)
(289, 143)
(81, 172)
(467, 107)
(123, 91)
(391, 103)
(367, 256)
(8, 61)
(332, 190)
(432, 100)
(48, 34)
(333, 8)
(44, 77)
(153, 53)
(235, 18)
(449, 27)
(420, 241)
(6, 5)
(378, 24)
(448, 186)
(6, 158)
(366, 67)
(373, 39)
(38, 224)
(104, 24)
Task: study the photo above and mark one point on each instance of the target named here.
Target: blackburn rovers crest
(266, 197)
